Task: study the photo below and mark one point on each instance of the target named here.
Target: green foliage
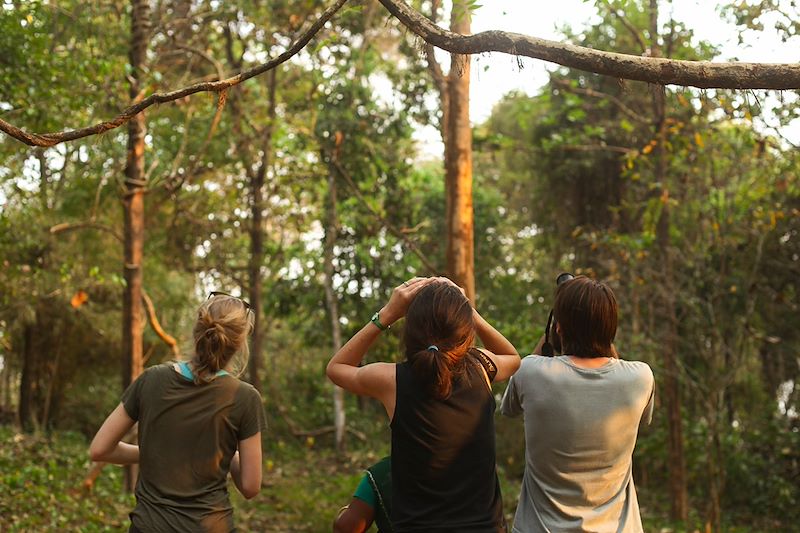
(581, 160)
(41, 480)
(569, 179)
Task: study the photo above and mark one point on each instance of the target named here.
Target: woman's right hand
(401, 298)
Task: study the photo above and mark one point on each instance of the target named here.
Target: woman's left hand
(402, 296)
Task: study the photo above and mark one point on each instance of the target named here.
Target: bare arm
(355, 518)
(502, 352)
(246, 466)
(377, 379)
(107, 445)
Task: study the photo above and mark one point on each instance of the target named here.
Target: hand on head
(401, 298)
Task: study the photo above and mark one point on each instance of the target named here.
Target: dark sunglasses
(246, 304)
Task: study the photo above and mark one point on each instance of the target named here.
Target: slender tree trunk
(7, 385)
(714, 462)
(457, 135)
(133, 213)
(669, 324)
(257, 180)
(331, 235)
(27, 379)
(51, 386)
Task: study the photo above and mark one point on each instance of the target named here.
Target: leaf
(78, 299)
(698, 140)
(626, 125)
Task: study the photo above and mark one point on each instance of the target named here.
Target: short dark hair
(586, 312)
(440, 316)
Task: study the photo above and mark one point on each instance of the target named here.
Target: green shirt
(188, 434)
(375, 489)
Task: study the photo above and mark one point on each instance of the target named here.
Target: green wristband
(377, 321)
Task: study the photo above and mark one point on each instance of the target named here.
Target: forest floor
(305, 485)
(41, 487)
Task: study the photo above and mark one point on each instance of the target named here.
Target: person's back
(188, 434)
(581, 426)
(582, 413)
(440, 403)
(197, 423)
(445, 447)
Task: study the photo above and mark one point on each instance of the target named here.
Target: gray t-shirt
(580, 430)
(188, 434)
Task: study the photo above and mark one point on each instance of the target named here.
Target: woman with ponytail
(440, 404)
(197, 422)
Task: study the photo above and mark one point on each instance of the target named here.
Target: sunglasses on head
(246, 304)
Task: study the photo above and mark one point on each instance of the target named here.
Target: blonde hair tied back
(220, 338)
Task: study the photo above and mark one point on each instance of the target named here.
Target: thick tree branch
(703, 74)
(656, 70)
(51, 139)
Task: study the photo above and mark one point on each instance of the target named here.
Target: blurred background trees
(307, 180)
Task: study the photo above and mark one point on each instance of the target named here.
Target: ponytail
(220, 333)
(434, 369)
(441, 318)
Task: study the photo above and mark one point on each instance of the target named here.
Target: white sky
(494, 75)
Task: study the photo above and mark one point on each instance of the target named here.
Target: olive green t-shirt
(188, 434)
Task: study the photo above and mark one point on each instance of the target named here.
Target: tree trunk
(714, 463)
(133, 213)
(27, 379)
(331, 235)
(677, 462)
(257, 180)
(6, 384)
(457, 135)
(51, 386)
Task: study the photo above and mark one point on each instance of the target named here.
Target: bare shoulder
(379, 372)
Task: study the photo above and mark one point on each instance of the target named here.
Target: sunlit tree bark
(133, 213)
(457, 136)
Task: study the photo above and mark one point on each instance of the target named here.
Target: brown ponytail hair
(439, 331)
(220, 333)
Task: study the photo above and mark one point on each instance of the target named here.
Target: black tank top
(444, 477)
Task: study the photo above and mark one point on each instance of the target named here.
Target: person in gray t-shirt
(582, 413)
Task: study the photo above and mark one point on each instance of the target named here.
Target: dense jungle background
(304, 191)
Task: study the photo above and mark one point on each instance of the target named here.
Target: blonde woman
(197, 422)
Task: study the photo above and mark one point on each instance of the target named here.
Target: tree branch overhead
(656, 70)
(51, 139)
(702, 74)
